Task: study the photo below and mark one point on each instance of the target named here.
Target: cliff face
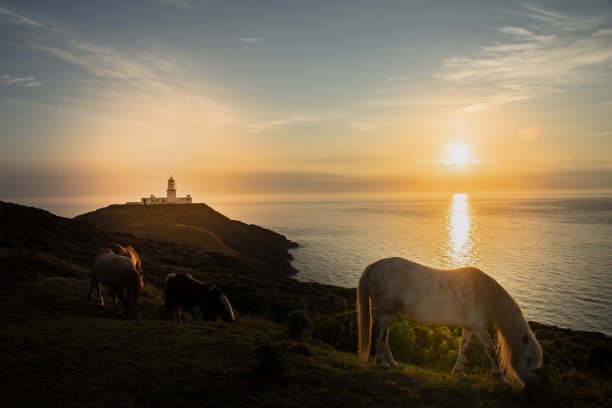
(201, 227)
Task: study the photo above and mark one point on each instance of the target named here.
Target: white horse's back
(429, 295)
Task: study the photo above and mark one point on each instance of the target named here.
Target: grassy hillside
(198, 226)
(59, 349)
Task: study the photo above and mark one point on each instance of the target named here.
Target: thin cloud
(250, 40)
(599, 134)
(28, 81)
(399, 78)
(269, 125)
(17, 18)
(533, 62)
(182, 4)
(142, 80)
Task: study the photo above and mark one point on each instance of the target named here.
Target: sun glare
(458, 153)
(461, 248)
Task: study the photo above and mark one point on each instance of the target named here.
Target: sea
(553, 254)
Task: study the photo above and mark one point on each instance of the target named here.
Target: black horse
(183, 291)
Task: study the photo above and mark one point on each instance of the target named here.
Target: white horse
(465, 297)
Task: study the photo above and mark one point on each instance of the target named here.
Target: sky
(103, 101)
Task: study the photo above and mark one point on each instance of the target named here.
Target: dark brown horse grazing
(183, 291)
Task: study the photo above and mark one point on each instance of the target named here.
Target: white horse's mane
(505, 314)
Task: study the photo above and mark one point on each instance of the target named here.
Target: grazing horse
(464, 297)
(129, 252)
(116, 272)
(183, 291)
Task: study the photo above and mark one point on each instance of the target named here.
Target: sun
(458, 153)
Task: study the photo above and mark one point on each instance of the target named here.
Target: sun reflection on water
(461, 243)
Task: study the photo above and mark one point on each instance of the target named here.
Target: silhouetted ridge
(199, 226)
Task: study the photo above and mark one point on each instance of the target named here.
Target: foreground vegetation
(293, 345)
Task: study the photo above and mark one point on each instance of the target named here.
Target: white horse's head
(530, 358)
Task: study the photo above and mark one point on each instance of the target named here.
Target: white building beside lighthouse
(170, 198)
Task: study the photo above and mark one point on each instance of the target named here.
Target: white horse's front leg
(382, 345)
(487, 343)
(466, 336)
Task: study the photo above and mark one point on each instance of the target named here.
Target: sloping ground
(201, 227)
(35, 243)
(59, 349)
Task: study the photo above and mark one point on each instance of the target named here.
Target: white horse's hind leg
(387, 350)
(487, 343)
(381, 342)
(466, 336)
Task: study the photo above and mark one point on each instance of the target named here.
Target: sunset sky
(104, 100)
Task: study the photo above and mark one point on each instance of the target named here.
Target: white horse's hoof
(383, 364)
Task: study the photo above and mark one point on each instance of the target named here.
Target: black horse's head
(217, 304)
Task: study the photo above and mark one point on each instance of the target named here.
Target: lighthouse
(171, 191)
(170, 198)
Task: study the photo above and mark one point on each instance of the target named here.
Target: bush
(417, 344)
(300, 324)
(338, 330)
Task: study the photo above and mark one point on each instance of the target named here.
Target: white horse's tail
(364, 317)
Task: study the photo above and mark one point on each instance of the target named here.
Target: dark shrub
(300, 324)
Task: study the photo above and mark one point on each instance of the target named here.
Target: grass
(60, 349)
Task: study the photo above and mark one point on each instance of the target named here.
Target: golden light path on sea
(461, 247)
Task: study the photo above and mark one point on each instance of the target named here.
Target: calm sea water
(553, 255)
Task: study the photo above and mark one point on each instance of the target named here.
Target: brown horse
(129, 252)
(119, 274)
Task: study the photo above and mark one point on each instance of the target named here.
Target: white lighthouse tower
(171, 191)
